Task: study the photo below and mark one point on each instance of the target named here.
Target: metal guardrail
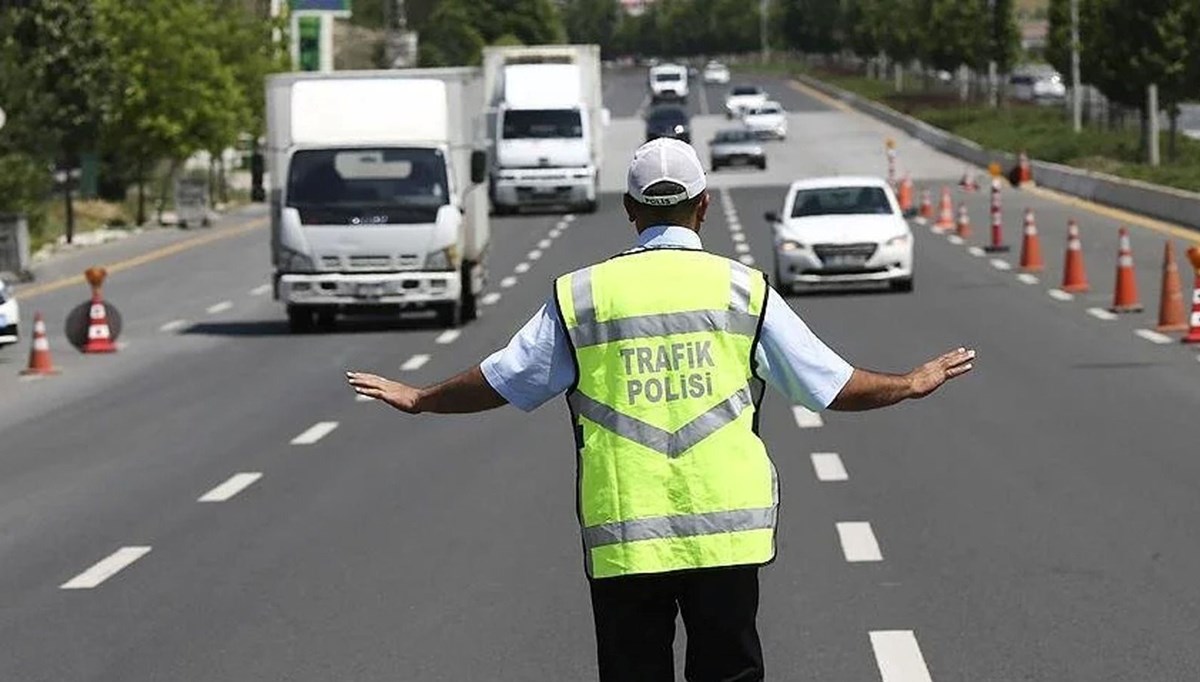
(14, 248)
(1165, 203)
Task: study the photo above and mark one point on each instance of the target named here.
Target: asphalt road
(1034, 521)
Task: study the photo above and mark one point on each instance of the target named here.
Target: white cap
(665, 159)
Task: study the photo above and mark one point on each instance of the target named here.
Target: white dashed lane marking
(1027, 278)
(260, 290)
(490, 298)
(569, 218)
(1060, 295)
(806, 418)
(106, 568)
(236, 484)
(219, 307)
(741, 247)
(828, 466)
(1153, 336)
(448, 336)
(508, 282)
(738, 237)
(358, 397)
(746, 259)
(544, 244)
(173, 326)
(521, 268)
(976, 251)
(534, 255)
(315, 433)
(1001, 264)
(898, 656)
(858, 541)
(554, 233)
(955, 239)
(1101, 314)
(415, 362)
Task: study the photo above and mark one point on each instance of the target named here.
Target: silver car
(736, 147)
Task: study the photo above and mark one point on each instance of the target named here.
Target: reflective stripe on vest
(675, 477)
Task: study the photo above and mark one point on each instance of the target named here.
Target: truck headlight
(442, 259)
(294, 261)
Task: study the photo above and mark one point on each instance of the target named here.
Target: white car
(841, 230)
(716, 72)
(743, 97)
(10, 316)
(767, 121)
(668, 82)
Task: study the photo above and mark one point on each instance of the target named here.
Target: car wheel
(326, 319)
(762, 165)
(450, 315)
(300, 319)
(903, 285)
(716, 166)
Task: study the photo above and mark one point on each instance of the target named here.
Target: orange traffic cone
(1193, 335)
(1074, 273)
(906, 194)
(1024, 169)
(926, 211)
(99, 338)
(1171, 315)
(1125, 297)
(964, 222)
(968, 183)
(1031, 245)
(40, 362)
(997, 245)
(945, 212)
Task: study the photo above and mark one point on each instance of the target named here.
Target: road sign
(340, 8)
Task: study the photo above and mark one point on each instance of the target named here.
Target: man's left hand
(400, 396)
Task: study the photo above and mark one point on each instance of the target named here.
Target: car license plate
(370, 290)
(845, 260)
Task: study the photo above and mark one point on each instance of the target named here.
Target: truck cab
(668, 82)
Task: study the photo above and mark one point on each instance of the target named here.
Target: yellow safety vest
(672, 474)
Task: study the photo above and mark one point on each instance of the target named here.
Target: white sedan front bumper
(830, 264)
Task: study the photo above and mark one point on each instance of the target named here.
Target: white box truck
(547, 126)
(376, 195)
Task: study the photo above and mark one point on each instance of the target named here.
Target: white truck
(547, 126)
(376, 196)
(668, 82)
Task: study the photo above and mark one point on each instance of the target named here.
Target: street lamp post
(1076, 86)
(764, 13)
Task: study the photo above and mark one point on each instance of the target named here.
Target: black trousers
(635, 625)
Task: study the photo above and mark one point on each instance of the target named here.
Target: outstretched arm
(461, 394)
(868, 390)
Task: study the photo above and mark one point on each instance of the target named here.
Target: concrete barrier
(1165, 203)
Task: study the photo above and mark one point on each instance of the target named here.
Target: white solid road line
(219, 307)
(1027, 278)
(236, 484)
(1153, 336)
(448, 336)
(1101, 314)
(173, 326)
(544, 244)
(106, 568)
(315, 433)
(858, 541)
(1001, 264)
(806, 418)
(534, 255)
(898, 656)
(955, 239)
(828, 466)
(415, 362)
(521, 268)
(976, 251)
(490, 298)
(260, 290)
(746, 259)
(508, 282)
(1060, 295)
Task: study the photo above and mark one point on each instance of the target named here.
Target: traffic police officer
(663, 352)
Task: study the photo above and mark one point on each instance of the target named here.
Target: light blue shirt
(537, 365)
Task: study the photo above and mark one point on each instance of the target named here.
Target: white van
(668, 82)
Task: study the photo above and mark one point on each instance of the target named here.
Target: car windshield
(733, 136)
(542, 124)
(745, 90)
(769, 110)
(356, 186)
(840, 201)
(668, 115)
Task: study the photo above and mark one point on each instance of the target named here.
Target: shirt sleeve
(794, 361)
(536, 365)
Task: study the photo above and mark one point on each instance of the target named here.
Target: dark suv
(668, 122)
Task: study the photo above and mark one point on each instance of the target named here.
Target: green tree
(816, 25)
(1004, 37)
(955, 33)
(591, 21)
(449, 37)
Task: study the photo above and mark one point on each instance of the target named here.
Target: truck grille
(404, 261)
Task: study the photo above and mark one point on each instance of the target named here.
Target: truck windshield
(367, 186)
(542, 124)
(669, 76)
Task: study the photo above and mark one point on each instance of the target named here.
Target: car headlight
(442, 259)
(790, 245)
(897, 241)
(293, 261)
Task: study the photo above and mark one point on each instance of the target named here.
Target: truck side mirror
(479, 169)
(771, 216)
